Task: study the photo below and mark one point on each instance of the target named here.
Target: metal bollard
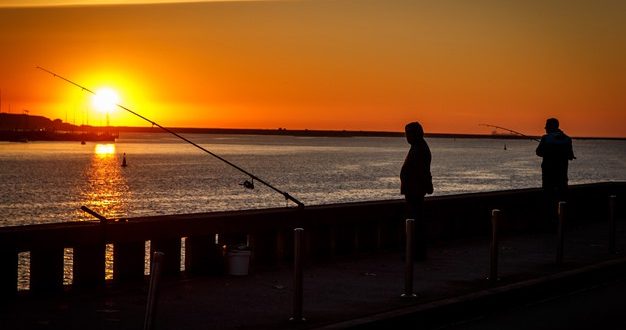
(493, 265)
(612, 199)
(408, 266)
(153, 290)
(297, 276)
(561, 232)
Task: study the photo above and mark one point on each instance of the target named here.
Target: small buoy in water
(83, 142)
(504, 146)
(124, 160)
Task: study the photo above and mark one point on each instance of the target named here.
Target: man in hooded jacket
(556, 150)
(416, 182)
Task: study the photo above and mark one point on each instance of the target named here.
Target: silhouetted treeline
(24, 122)
(23, 127)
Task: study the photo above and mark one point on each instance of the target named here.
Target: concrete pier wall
(330, 231)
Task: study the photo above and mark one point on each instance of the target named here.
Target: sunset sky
(343, 64)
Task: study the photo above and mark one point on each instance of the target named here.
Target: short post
(155, 275)
(612, 224)
(561, 232)
(408, 265)
(495, 242)
(297, 276)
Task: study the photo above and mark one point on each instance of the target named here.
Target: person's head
(414, 132)
(552, 124)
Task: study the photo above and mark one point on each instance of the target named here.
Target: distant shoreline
(18, 127)
(331, 133)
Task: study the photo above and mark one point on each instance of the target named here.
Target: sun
(105, 100)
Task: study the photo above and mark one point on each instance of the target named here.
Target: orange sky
(343, 64)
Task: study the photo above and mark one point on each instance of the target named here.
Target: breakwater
(330, 230)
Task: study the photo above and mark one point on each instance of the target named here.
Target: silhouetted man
(415, 182)
(556, 149)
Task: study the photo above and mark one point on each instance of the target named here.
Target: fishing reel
(248, 184)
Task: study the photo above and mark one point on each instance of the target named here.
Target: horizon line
(399, 133)
(313, 130)
(73, 3)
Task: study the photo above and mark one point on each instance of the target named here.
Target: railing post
(561, 232)
(379, 237)
(170, 247)
(46, 269)
(612, 224)
(89, 266)
(356, 240)
(297, 276)
(495, 242)
(333, 241)
(203, 255)
(408, 265)
(8, 273)
(128, 261)
(280, 246)
(153, 290)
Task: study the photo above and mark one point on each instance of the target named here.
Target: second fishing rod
(246, 184)
(512, 131)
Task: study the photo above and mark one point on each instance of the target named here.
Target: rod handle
(94, 213)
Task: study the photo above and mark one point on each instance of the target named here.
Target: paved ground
(346, 292)
(597, 307)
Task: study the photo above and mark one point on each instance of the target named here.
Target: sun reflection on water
(105, 150)
(106, 190)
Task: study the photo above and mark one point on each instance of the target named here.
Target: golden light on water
(105, 190)
(105, 150)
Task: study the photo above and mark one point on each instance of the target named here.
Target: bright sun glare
(105, 149)
(105, 100)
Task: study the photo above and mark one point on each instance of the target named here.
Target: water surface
(44, 182)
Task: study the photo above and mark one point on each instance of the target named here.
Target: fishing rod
(246, 184)
(510, 130)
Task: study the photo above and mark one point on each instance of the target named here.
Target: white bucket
(238, 262)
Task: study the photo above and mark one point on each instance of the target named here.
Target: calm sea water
(44, 182)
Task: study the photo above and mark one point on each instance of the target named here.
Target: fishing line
(510, 130)
(246, 184)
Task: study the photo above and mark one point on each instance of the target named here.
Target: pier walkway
(361, 291)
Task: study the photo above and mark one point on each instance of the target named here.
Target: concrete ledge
(453, 309)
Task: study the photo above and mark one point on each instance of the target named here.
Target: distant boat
(124, 160)
(83, 142)
(505, 146)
